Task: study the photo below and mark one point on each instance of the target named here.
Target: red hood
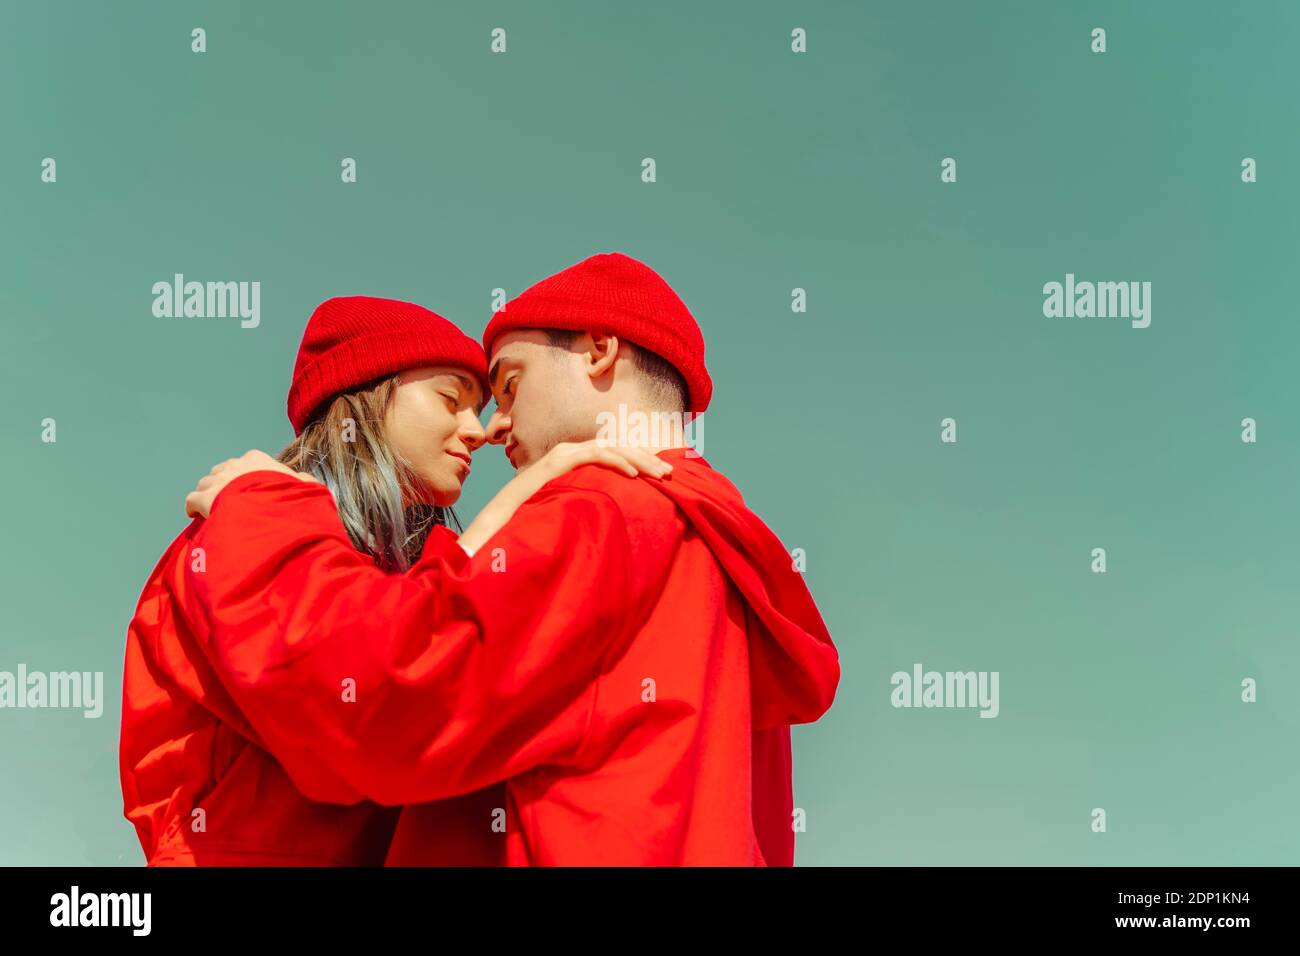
(794, 668)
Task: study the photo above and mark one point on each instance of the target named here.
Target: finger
(612, 458)
(644, 461)
(650, 463)
(637, 459)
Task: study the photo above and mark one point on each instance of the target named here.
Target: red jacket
(185, 746)
(627, 656)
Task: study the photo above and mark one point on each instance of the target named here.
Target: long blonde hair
(373, 486)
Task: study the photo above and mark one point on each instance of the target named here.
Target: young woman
(384, 404)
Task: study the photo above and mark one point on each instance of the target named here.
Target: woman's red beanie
(616, 294)
(354, 339)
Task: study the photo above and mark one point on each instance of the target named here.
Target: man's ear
(602, 354)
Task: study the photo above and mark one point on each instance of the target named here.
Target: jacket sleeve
(416, 687)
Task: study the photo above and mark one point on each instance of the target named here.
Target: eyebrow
(468, 385)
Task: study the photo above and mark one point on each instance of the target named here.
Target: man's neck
(653, 429)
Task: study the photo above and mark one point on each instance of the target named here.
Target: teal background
(775, 170)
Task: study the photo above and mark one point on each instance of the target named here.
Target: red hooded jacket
(185, 746)
(625, 656)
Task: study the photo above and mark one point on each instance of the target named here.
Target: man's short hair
(663, 385)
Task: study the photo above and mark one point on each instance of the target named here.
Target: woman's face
(433, 423)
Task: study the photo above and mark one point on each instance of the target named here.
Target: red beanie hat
(616, 294)
(354, 339)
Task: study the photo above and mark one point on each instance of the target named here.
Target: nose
(471, 431)
(498, 427)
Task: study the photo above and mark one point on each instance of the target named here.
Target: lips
(460, 457)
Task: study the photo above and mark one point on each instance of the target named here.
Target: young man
(626, 657)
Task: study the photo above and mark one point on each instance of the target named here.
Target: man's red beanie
(354, 339)
(618, 295)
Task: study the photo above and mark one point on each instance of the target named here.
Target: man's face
(542, 396)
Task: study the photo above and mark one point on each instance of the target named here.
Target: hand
(566, 456)
(199, 501)
(561, 459)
